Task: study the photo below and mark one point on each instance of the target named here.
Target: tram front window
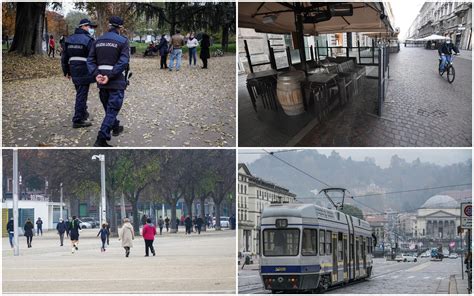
(280, 242)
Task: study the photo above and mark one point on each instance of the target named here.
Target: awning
(279, 17)
(434, 37)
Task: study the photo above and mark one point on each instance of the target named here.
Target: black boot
(80, 124)
(100, 142)
(117, 130)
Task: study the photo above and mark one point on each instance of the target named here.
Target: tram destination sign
(466, 215)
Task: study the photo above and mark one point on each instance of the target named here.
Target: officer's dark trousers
(163, 62)
(149, 245)
(80, 110)
(112, 100)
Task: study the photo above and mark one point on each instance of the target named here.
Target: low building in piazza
(438, 218)
(253, 195)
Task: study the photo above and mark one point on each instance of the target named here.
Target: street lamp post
(101, 158)
(16, 250)
(61, 202)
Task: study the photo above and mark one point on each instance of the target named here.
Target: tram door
(357, 256)
(364, 253)
(344, 249)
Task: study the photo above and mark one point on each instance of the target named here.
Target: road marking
(419, 267)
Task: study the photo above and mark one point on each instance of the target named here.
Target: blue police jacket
(110, 55)
(74, 58)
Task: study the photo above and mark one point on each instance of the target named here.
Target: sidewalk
(457, 285)
(465, 54)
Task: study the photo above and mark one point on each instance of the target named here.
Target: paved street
(421, 109)
(193, 264)
(389, 277)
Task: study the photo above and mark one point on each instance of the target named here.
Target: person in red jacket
(148, 233)
(52, 46)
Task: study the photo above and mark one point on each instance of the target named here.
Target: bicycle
(448, 68)
(218, 53)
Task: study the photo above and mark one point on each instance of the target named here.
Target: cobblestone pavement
(421, 109)
(192, 107)
(183, 264)
(389, 277)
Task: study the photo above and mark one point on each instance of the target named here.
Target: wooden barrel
(289, 92)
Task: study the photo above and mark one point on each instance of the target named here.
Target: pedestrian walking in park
(107, 226)
(148, 233)
(143, 219)
(39, 227)
(62, 44)
(108, 62)
(51, 45)
(205, 54)
(182, 219)
(10, 231)
(28, 229)
(163, 47)
(232, 222)
(67, 222)
(74, 66)
(177, 224)
(167, 224)
(103, 232)
(199, 223)
(177, 42)
(61, 228)
(192, 44)
(74, 228)
(126, 235)
(160, 225)
(188, 223)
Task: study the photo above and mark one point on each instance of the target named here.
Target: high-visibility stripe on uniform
(105, 67)
(82, 59)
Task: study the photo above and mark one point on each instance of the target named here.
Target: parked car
(453, 256)
(91, 221)
(426, 255)
(224, 222)
(406, 258)
(84, 225)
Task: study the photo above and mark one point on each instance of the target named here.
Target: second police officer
(73, 62)
(108, 62)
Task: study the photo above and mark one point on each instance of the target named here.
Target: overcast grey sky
(382, 156)
(405, 13)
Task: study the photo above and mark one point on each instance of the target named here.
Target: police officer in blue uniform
(74, 65)
(108, 62)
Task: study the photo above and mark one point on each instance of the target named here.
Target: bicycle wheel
(451, 74)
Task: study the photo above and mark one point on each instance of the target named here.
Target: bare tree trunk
(28, 28)
(174, 226)
(218, 214)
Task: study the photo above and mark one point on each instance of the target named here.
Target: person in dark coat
(167, 224)
(143, 220)
(74, 66)
(163, 47)
(67, 227)
(74, 228)
(28, 228)
(177, 224)
(39, 226)
(232, 222)
(188, 223)
(10, 231)
(104, 233)
(205, 54)
(61, 228)
(107, 226)
(199, 223)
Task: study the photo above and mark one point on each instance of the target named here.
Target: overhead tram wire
(261, 153)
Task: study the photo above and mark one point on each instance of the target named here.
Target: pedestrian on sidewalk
(167, 224)
(61, 228)
(10, 231)
(107, 226)
(103, 232)
(28, 228)
(199, 223)
(143, 220)
(52, 46)
(148, 233)
(160, 225)
(39, 227)
(67, 227)
(126, 235)
(188, 223)
(74, 228)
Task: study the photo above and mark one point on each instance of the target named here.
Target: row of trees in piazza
(162, 176)
(28, 21)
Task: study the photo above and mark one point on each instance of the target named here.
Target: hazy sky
(382, 156)
(405, 13)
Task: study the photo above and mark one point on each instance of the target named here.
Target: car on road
(425, 254)
(224, 222)
(91, 221)
(406, 258)
(84, 224)
(453, 256)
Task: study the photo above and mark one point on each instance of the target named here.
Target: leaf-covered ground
(192, 107)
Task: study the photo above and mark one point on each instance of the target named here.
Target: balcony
(462, 7)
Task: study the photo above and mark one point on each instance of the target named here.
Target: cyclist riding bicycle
(445, 52)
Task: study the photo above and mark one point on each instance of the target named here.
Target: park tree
(8, 18)
(29, 26)
(72, 20)
(56, 24)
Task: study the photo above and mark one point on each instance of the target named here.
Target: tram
(309, 248)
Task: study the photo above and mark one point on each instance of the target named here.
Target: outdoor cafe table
(323, 81)
(263, 84)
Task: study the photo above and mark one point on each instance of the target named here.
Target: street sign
(466, 215)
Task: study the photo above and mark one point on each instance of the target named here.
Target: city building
(451, 19)
(377, 223)
(438, 218)
(254, 194)
(407, 225)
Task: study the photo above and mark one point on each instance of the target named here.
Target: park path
(192, 107)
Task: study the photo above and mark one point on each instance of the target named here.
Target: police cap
(116, 21)
(86, 22)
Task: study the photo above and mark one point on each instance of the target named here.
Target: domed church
(438, 218)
